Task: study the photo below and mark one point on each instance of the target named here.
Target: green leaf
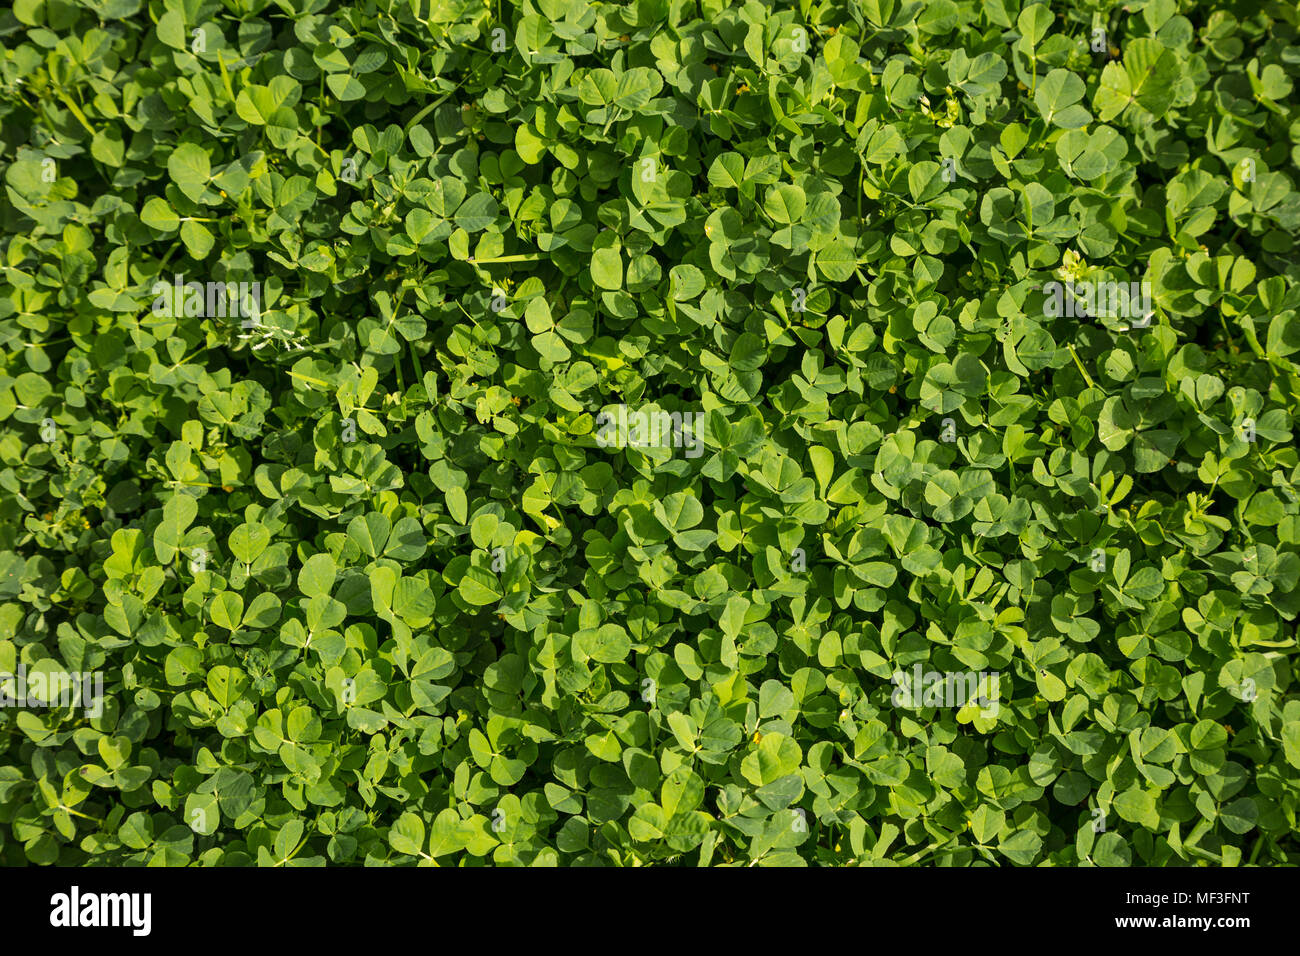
(316, 578)
(190, 169)
(607, 268)
(1057, 99)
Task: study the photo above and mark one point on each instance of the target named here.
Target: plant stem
(525, 257)
(76, 111)
(1082, 371)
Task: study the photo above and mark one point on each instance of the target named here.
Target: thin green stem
(1082, 371)
(76, 111)
(524, 257)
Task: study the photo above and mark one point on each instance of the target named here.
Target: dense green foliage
(365, 583)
